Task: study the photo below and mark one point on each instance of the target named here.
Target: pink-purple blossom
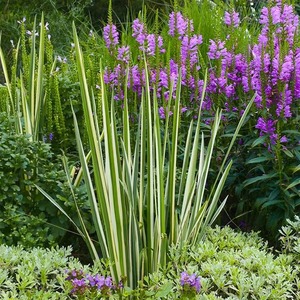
(232, 19)
(110, 36)
(139, 31)
(190, 282)
(179, 25)
(216, 49)
(124, 54)
(189, 49)
(267, 127)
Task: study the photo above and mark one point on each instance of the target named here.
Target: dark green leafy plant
(266, 182)
(24, 213)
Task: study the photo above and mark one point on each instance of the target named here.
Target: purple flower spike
(275, 12)
(111, 36)
(189, 48)
(123, 54)
(216, 49)
(139, 31)
(232, 19)
(161, 112)
(286, 69)
(264, 16)
(267, 128)
(179, 25)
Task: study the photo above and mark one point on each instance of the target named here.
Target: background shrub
(25, 216)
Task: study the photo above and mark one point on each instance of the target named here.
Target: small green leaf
(294, 183)
(149, 293)
(288, 153)
(296, 169)
(164, 290)
(295, 132)
(259, 141)
(259, 178)
(258, 160)
(271, 203)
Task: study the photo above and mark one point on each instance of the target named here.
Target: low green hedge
(231, 265)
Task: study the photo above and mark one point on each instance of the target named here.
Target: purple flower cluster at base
(87, 283)
(190, 283)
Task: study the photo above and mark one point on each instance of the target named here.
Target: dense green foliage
(231, 266)
(35, 274)
(263, 183)
(143, 186)
(25, 216)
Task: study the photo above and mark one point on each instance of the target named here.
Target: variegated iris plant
(141, 199)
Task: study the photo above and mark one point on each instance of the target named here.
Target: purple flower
(79, 286)
(229, 90)
(267, 128)
(91, 280)
(179, 25)
(136, 79)
(139, 31)
(190, 282)
(82, 283)
(123, 54)
(287, 68)
(174, 70)
(153, 42)
(284, 104)
(112, 77)
(290, 23)
(163, 78)
(232, 19)
(264, 16)
(297, 74)
(275, 12)
(189, 48)
(79, 282)
(161, 112)
(111, 36)
(108, 282)
(216, 49)
(121, 284)
(283, 139)
(73, 274)
(148, 42)
(184, 109)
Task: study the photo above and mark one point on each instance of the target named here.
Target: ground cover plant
(226, 265)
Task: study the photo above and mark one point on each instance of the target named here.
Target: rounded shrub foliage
(26, 217)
